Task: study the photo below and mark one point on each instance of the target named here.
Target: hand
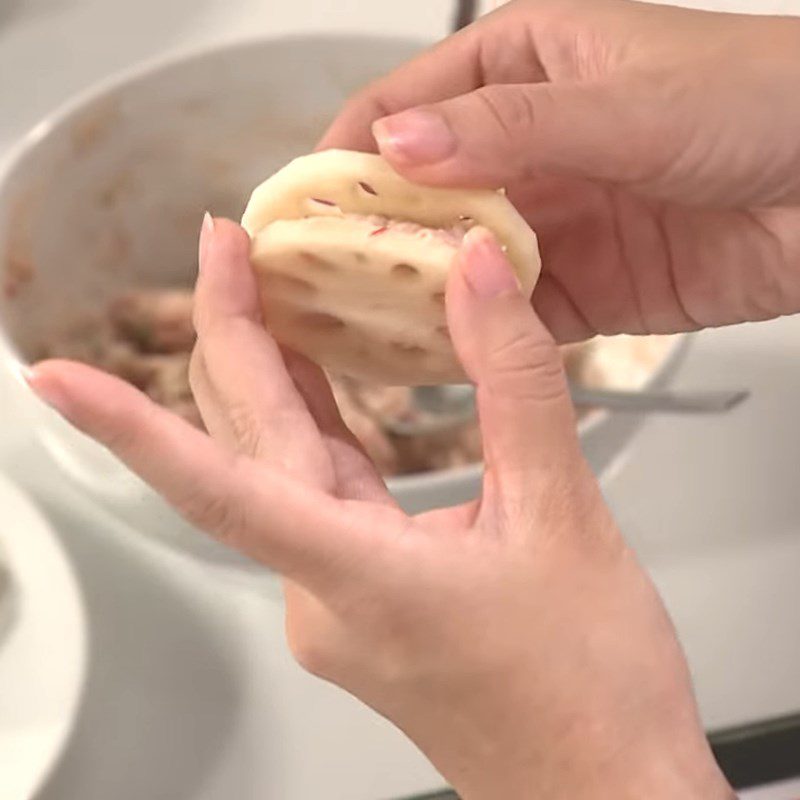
(514, 639)
(655, 151)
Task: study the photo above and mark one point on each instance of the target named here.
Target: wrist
(660, 779)
(506, 756)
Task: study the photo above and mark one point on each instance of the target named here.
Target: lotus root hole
(291, 283)
(321, 205)
(408, 349)
(405, 271)
(443, 330)
(365, 187)
(438, 298)
(320, 320)
(313, 260)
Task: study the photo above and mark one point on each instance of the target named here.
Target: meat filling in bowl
(146, 338)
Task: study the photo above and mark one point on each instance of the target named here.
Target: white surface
(786, 790)
(191, 693)
(711, 505)
(43, 650)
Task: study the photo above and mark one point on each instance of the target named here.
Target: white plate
(42, 648)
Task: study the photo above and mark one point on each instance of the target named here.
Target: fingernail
(206, 230)
(485, 266)
(25, 372)
(48, 394)
(415, 137)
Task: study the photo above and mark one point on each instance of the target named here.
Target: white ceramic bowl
(121, 176)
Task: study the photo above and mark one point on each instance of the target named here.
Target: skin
(515, 639)
(503, 636)
(654, 151)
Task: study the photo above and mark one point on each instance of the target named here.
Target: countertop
(191, 692)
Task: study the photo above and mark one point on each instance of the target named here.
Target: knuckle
(358, 100)
(219, 331)
(525, 366)
(511, 108)
(218, 514)
(119, 438)
(124, 435)
(246, 428)
(367, 103)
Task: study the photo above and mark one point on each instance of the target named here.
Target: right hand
(654, 150)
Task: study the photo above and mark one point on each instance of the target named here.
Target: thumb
(499, 134)
(527, 418)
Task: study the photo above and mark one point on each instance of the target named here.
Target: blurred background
(135, 661)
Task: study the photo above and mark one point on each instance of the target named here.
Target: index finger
(299, 531)
(243, 362)
(489, 51)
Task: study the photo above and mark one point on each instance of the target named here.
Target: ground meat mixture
(452, 235)
(19, 271)
(146, 338)
(155, 321)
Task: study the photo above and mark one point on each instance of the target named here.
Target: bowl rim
(586, 424)
(121, 78)
(95, 92)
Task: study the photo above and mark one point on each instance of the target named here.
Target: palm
(614, 262)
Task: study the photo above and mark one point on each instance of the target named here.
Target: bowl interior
(109, 193)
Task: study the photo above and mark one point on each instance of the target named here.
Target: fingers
(356, 475)
(501, 134)
(446, 70)
(274, 406)
(211, 408)
(293, 529)
(489, 50)
(526, 415)
(238, 375)
(507, 97)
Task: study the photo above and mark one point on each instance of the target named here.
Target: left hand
(515, 639)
